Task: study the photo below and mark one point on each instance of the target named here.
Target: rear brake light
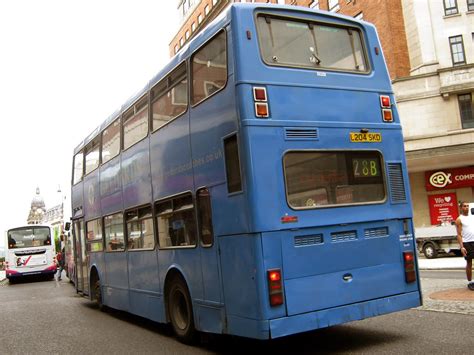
(259, 94)
(409, 265)
(385, 101)
(386, 105)
(261, 102)
(275, 288)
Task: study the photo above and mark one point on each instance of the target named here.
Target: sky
(65, 66)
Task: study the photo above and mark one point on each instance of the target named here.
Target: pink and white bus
(30, 251)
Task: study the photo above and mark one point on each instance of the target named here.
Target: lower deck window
(318, 179)
(176, 222)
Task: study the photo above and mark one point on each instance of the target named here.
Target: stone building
(37, 209)
(429, 50)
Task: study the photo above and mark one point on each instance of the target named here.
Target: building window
(359, 16)
(187, 35)
(176, 49)
(214, 2)
(206, 10)
(181, 41)
(457, 50)
(450, 7)
(466, 110)
(470, 5)
(193, 27)
(314, 4)
(199, 18)
(333, 5)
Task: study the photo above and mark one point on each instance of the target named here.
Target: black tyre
(430, 251)
(180, 310)
(97, 295)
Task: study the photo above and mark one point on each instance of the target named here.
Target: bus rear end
(322, 151)
(29, 252)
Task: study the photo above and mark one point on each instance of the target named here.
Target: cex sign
(449, 178)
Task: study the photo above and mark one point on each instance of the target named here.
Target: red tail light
(275, 287)
(385, 101)
(386, 105)
(261, 102)
(260, 94)
(409, 264)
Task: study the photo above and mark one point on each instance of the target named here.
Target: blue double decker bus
(257, 186)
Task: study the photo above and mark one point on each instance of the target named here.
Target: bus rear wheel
(180, 311)
(97, 295)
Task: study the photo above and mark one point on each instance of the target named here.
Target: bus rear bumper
(338, 315)
(13, 274)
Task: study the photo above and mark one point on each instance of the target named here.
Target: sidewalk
(442, 263)
(2, 275)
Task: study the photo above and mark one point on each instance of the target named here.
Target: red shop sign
(443, 208)
(449, 178)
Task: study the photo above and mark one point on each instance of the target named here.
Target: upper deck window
(78, 168)
(299, 43)
(135, 126)
(111, 141)
(209, 68)
(169, 97)
(92, 155)
(319, 179)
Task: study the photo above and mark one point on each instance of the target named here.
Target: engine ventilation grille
(376, 232)
(307, 240)
(397, 186)
(301, 133)
(343, 236)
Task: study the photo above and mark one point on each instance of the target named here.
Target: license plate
(358, 137)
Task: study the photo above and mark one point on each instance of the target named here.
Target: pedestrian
(465, 236)
(60, 261)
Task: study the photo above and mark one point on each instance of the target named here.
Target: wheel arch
(173, 273)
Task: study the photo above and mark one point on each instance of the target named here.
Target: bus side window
(169, 97)
(114, 236)
(209, 68)
(204, 211)
(232, 164)
(78, 168)
(140, 232)
(135, 123)
(176, 222)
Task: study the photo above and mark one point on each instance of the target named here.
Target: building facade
(436, 106)
(429, 50)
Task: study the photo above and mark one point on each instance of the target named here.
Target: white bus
(30, 251)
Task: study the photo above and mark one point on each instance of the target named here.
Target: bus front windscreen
(302, 43)
(28, 237)
(320, 179)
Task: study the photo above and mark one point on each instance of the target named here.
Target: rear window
(29, 237)
(318, 179)
(302, 43)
